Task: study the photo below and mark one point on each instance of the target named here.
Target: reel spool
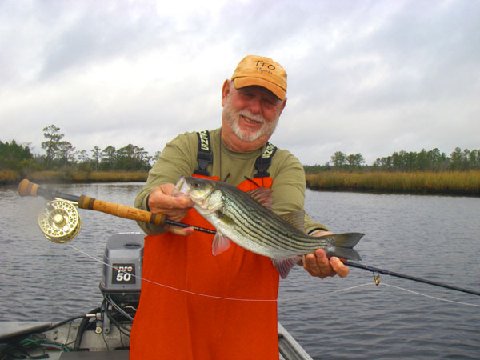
(59, 221)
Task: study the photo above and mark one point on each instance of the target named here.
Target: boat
(103, 333)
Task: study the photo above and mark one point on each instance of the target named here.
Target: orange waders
(198, 306)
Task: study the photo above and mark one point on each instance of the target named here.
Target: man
(195, 305)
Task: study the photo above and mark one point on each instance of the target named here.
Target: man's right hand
(165, 200)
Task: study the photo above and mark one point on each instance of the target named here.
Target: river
(433, 237)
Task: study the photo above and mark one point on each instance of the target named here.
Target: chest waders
(207, 307)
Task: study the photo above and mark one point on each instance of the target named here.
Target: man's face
(251, 112)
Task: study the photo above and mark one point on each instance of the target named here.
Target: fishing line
(27, 188)
(430, 296)
(283, 299)
(376, 270)
(382, 284)
(291, 298)
(172, 287)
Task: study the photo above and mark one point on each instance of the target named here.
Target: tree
(97, 156)
(339, 159)
(157, 155)
(456, 159)
(13, 155)
(82, 156)
(355, 160)
(66, 153)
(132, 157)
(52, 144)
(109, 157)
(474, 159)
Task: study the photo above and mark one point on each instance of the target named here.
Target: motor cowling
(122, 269)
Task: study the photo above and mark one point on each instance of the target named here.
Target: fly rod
(61, 214)
(408, 277)
(60, 223)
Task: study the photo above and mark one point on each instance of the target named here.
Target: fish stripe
(253, 226)
(264, 230)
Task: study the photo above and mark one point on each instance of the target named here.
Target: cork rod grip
(123, 211)
(27, 188)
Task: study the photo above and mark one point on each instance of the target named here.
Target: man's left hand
(317, 264)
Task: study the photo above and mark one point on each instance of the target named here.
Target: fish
(247, 219)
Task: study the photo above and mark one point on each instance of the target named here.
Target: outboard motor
(121, 278)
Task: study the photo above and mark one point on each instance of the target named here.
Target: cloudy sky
(369, 77)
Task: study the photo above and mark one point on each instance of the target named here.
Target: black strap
(263, 161)
(204, 157)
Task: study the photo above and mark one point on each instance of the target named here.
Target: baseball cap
(254, 70)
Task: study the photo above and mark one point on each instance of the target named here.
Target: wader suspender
(263, 161)
(205, 157)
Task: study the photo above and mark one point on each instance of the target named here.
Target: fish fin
(284, 266)
(341, 245)
(220, 244)
(262, 195)
(296, 219)
(344, 253)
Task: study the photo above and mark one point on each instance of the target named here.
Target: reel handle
(119, 210)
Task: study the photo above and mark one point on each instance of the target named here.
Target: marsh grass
(51, 176)
(8, 176)
(111, 176)
(449, 183)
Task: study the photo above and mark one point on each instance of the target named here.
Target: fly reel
(59, 221)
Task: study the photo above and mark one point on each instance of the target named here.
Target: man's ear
(284, 103)
(225, 91)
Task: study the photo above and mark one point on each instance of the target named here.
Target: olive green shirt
(179, 158)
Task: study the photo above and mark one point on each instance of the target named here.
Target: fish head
(199, 190)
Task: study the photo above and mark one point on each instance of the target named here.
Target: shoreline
(450, 183)
(10, 177)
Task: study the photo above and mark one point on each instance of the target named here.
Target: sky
(368, 77)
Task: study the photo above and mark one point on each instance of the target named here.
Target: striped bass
(242, 217)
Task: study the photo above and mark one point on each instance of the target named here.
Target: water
(426, 236)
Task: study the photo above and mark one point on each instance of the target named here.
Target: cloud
(364, 77)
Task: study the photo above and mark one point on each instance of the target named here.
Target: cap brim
(241, 82)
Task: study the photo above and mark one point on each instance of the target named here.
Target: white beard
(233, 117)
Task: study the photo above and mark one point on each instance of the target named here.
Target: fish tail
(341, 245)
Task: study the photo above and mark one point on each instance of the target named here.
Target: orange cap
(254, 70)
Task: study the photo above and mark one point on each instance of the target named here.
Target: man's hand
(317, 264)
(164, 200)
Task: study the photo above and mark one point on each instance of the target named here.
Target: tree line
(425, 160)
(61, 154)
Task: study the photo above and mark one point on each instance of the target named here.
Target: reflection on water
(427, 236)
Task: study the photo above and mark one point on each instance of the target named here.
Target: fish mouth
(197, 191)
(182, 187)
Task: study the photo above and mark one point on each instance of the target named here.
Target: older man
(195, 305)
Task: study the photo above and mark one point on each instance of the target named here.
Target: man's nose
(255, 105)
